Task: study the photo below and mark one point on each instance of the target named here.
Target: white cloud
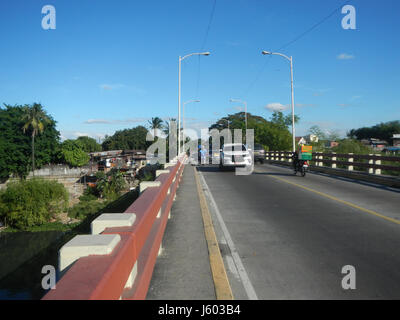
(355, 98)
(105, 121)
(276, 106)
(345, 56)
(64, 135)
(111, 86)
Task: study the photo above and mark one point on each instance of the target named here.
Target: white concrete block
(159, 172)
(108, 220)
(86, 245)
(148, 184)
(169, 164)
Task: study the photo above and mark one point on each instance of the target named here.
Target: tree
(127, 139)
(166, 126)
(89, 144)
(352, 146)
(110, 185)
(73, 153)
(15, 146)
(383, 131)
(333, 135)
(317, 131)
(273, 134)
(155, 123)
(34, 118)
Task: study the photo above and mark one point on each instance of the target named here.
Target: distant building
(331, 144)
(306, 139)
(300, 140)
(396, 140)
(311, 138)
(374, 143)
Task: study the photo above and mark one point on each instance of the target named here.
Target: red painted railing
(105, 276)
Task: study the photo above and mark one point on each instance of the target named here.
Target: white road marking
(251, 293)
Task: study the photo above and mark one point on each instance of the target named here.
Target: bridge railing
(117, 260)
(371, 163)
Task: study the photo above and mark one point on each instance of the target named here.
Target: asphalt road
(288, 237)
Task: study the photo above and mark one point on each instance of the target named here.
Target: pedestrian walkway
(182, 271)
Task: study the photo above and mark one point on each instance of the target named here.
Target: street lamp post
(291, 80)
(245, 109)
(179, 94)
(183, 120)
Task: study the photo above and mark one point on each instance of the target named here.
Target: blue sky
(111, 65)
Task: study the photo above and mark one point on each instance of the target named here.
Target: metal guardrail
(130, 243)
(374, 164)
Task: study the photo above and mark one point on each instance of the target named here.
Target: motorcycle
(302, 167)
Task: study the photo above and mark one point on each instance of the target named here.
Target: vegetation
(17, 150)
(33, 202)
(352, 146)
(155, 123)
(383, 131)
(127, 139)
(89, 144)
(73, 153)
(34, 118)
(109, 185)
(85, 208)
(273, 134)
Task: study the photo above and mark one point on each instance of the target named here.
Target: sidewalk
(182, 271)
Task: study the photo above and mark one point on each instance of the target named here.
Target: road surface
(288, 237)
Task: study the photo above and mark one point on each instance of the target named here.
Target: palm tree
(155, 123)
(35, 118)
(167, 126)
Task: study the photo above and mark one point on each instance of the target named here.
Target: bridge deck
(182, 271)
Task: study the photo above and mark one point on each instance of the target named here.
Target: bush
(88, 195)
(32, 202)
(148, 173)
(85, 208)
(110, 185)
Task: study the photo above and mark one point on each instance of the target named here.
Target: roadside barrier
(348, 165)
(117, 260)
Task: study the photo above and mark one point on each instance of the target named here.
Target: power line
(293, 41)
(203, 45)
(314, 26)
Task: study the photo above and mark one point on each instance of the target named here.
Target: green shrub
(32, 202)
(110, 185)
(82, 209)
(87, 195)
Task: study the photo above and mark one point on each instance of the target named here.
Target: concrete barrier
(378, 178)
(121, 266)
(107, 220)
(85, 245)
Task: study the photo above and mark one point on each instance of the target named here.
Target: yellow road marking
(221, 283)
(341, 201)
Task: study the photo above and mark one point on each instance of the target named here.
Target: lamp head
(265, 52)
(206, 53)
